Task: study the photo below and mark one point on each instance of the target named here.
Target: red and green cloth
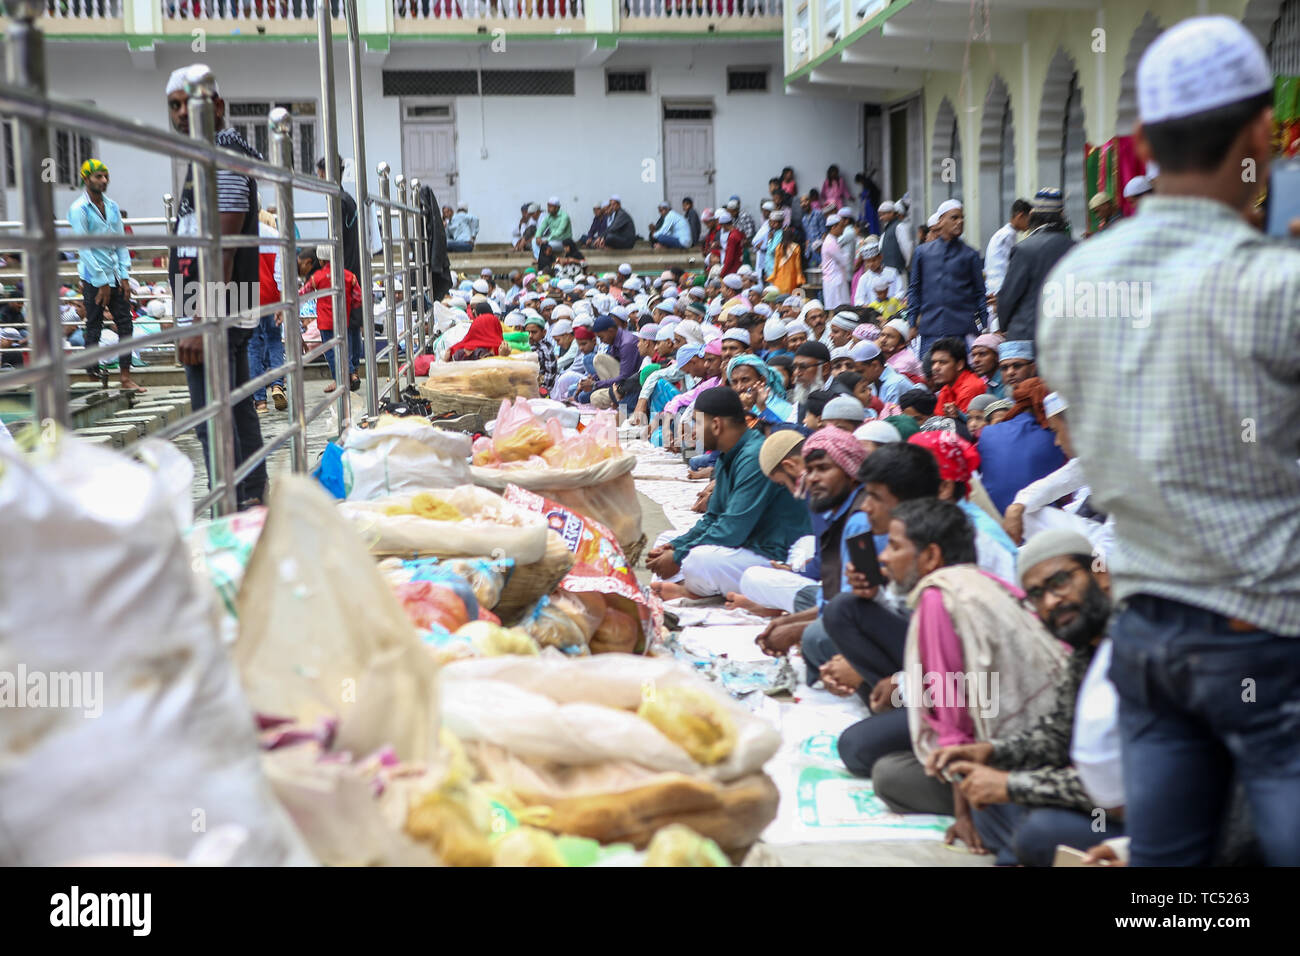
(1286, 115)
(1106, 168)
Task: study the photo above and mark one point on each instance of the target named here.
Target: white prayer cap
(586, 319)
(724, 217)
(458, 302)
(690, 330)
(561, 312)
(842, 352)
(947, 206)
(885, 206)
(901, 327)
(156, 308)
(732, 281)
(870, 247)
(664, 204)
(843, 407)
(462, 206)
(1137, 186)
(481, 286)
(515, 320)
(865, 351)
(776, 214)
(933, 221)
(548, 302)
(715, 308)
(614, 198)
(737, 335)
(1199, 65)
(1153, 169)
(881, 283)
(176, 82)
(767, 206)
(648, 332)
(553, 201)
(846, 212)
(812, 305)
(763, 309)
(745, 270)
(774, 329)
(665, 332)
(1054, 404)
(625, 269)
(696, 292)
(879, 431)
(565, 285)
(634, 284)
(562, 327)
(485, 272)
(733, 203)
(848, 321)
(798, 325)
(323, 253)
(832, 219)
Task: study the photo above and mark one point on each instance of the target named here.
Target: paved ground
(319, 433)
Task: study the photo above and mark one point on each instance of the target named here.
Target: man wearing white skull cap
(947, 296)
(1204, 569)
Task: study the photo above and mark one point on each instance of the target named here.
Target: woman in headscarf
(835, 193)
(787, 268)
(761, 387)
(483, 340)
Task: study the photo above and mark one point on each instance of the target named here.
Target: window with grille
(746, 80)
(687, 113)
(627, 81)
(70, 151)
(466, 83)
(250, 119)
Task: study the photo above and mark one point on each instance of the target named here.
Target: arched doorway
(997, 158)
(945, 158)
(1127, 115)
(1061, 137)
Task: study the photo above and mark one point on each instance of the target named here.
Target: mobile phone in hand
(862, 553)
(1283, 197)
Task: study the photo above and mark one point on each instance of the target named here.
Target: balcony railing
(702, 9)
(78, 9)
(244, 9)
(487, 9)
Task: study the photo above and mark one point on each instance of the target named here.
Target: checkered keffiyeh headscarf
(840, 446)
(90, 167)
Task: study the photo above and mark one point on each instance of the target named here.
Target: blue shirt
(675, 225)
(892, 384)
(462, 228)
(103, 266)
(947, 290)
(1014, 453)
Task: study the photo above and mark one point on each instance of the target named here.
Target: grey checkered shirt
(1183, 378)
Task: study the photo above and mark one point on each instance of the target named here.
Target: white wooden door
(688, 162)
(429, 154)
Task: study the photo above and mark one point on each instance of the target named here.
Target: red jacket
(320, 279)
(735, 248)
(960, 392)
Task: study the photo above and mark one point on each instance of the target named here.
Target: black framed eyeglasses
(1057, 584)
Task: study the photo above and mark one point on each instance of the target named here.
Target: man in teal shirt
(750, 520)
(554, 226)
(105, 271)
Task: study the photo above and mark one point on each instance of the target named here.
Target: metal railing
(48, 362)
(245, 9)
(707, 9)
(488, 9)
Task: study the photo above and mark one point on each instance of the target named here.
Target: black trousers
(247, 435)
(118, 307)
(869, 635)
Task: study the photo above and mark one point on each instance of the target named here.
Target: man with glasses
(1026, 795)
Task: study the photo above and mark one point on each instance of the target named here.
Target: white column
(602, 16)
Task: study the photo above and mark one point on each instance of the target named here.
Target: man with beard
(750, 520)
(810, 372)
(977, 665)
(1026, 795)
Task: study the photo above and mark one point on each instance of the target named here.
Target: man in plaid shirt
(1173, 335)
(547, 362)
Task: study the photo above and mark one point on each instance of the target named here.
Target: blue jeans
(247, 433)
(818, 648)
(1030, 835)
(354, 350)
(265, 352)
(1200, 702)
(669, 240)
(459, 246)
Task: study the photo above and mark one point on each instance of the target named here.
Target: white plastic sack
(495, 525)
(581, 711)
(143, 740)
(408, 454)
(1095, 744)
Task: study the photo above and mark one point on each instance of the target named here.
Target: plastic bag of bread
(618, 633)
(511, 377)
(493, 640)
(553, 624)
(518, 434)
(679, 845)
(693, 719)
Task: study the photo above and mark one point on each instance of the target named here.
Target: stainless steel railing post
(412, 284)
(334, 207)
(363, 209)
(281, 153)
(390, 302)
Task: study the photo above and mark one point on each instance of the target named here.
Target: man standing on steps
(105, 272)
(237, 209)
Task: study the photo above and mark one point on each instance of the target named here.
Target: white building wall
(582, 147)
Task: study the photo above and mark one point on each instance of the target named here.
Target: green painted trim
(376, 42)
(137, 41)
(849, 40)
